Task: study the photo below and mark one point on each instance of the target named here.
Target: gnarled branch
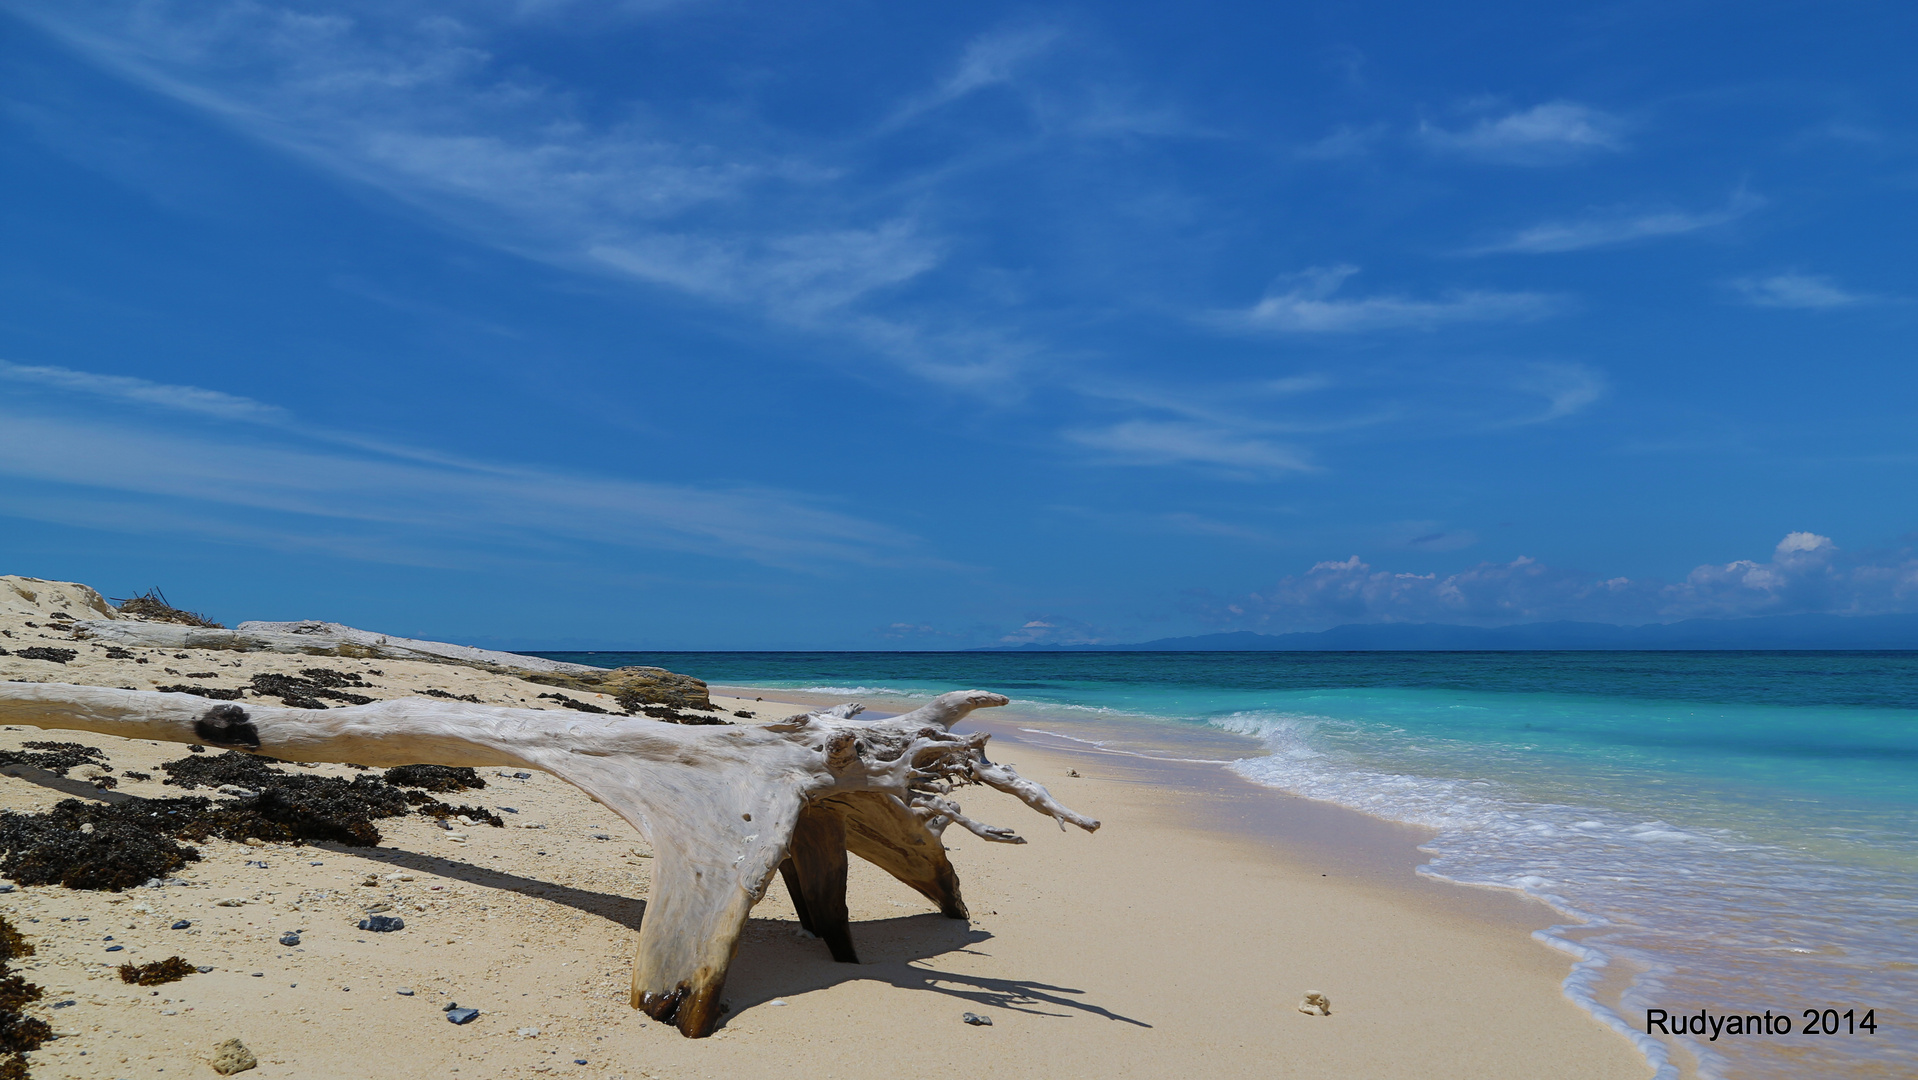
(721, 805)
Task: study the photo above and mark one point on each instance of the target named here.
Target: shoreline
(1352, 851)
(1166, 943)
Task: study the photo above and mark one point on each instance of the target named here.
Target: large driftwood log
(724, 807)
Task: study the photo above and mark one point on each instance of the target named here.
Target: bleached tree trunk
(724, 807)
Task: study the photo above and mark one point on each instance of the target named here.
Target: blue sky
(711, 325)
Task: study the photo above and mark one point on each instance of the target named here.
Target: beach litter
(1316, 1004)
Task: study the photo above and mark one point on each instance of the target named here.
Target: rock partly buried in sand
(1316, 1004)
(231, 1057)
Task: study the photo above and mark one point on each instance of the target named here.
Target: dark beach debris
(976, 1020)
(475, 814)
(660, 712)
(333, 680)
(86, 845)
(440, 778)
(181, 924)
(19, 1033)
(214, 692)
(382, 924)
(42, 652)
(115, 652)
(92, 846)
(153, 605)
(450, 697)
(570, 703)
(462, 1016)
(55, 757)
(745, 714)
(172, 969)
(254, 771)
(303, 691)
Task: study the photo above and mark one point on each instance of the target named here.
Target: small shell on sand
(1316, 1004)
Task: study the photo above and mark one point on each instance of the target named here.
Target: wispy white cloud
(1170, 442)
(991, 59)
(1310, 305)
(411, 101)
(1609, 228)
(274, 477)
(1565, 388)
(189, 399)
(1792, 290)
(1806, 573)
(1546, 134)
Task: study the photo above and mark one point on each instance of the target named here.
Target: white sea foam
(1110, 749)
(1698, 915)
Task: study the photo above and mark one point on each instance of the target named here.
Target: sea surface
(1733, 832)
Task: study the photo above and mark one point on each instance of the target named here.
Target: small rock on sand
(289, 938)
(1316, 1004)
(231, 1057)
(462, 1016)
(976, 1020)
(382, 924)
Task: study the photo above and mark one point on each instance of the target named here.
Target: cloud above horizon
(1548, 134)
(271, 480)
(1806, 573)
(1309, 305)
(1792, 290)
(1613, 227)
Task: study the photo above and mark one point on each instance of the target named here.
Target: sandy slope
(1161, 946)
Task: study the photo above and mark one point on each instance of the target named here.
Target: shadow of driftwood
(625, 910)
(775, 960)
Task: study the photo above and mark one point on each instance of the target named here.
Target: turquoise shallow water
(1726, 831)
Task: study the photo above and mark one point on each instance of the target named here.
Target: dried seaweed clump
(84, 845)
(172, 969)
(575, 705)
(288, 807)
(304, 693)
(474, 814)
(252, 771)
(440, 778)
(633, 703)
(19, 1033)
(42, 652)
(430, 692)
(217, 693)
(55, 757)
(153, 605)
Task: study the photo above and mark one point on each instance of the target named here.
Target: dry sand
(1176, 941)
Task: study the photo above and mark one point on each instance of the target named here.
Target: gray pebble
(976, 1020)
(404, 991)
(181, 925)
(382, 924)
(462, 1016)
(289, 938)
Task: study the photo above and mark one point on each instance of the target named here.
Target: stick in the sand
(725, 807)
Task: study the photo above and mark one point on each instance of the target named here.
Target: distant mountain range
(1766, 632)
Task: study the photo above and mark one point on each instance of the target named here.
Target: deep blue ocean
(1726, 831)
